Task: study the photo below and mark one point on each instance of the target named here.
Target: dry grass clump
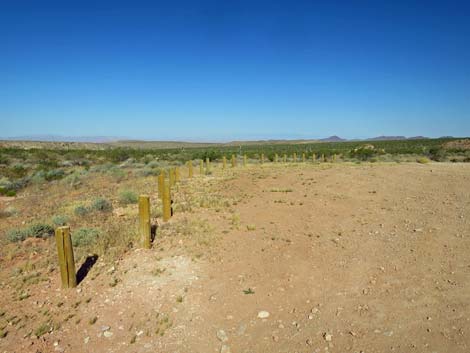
(423, 160)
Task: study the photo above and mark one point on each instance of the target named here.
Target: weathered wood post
(224, 162)
(303, 157)
(171, 176)
(66, 259)
(294, 156)
(166, 202)
(334, 157)
(284, 158)
(161, 182)
(234, 163)
(323, 159)
(244, 160)
(314, 157)
(208, 165)
(276, 157)
(177, 174)
(201, 167)
(144, 220)
(262, 158)
(190, 169)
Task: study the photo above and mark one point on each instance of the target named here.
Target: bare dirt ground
(299, 258)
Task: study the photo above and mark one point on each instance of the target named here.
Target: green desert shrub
(437, 154)
(148, 172)
(7, 192)
(85, 236)
(60, 220)
(4, 160)
(37, 230)
(365, 152)
(81, 210)
(16, 235)
(154, 164)
(40, 230)
(128, 196)
(39, 177)
(102, 205)
(116, 173)
(54, 174)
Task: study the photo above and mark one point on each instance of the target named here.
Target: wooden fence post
(161, 182)
(224, 162)
(244, 160)
(233, 161)
(284, 158)
(166, 202)
(177, 174)
(66, 259)
(171, 176)
(323, 158)
(276, 157)
(295, 157)
(201, 167)
(314, 157)
(144, 220)
(190, 169)
(303, 157)
(334, 157)
(208, 165)
(262, 158)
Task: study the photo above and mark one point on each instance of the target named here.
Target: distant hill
(333, 138)
(396, 138)
(386, 138)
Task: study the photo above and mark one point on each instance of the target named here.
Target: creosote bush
(37, 230)
(128, 196)
(81, 210)
(85, 236)
(54, 174)
(60, 220)
(102, 205)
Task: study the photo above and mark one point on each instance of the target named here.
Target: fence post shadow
(86, 267)
(153, 232)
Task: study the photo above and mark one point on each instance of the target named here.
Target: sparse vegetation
(60, 220)
(43, 329)
(81, 210)
(281, 190)
(102, 205)
(85, 236)
(423, 160)
(128, 197)
(37, 230)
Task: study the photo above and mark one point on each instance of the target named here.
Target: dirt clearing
(300, 258)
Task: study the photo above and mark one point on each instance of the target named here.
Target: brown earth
(344, 258)
(463, 144)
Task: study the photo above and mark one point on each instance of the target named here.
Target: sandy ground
(331, 258)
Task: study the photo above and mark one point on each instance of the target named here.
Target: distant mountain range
(111, 139)
(395, 138)
(59, 138)
(333, 138)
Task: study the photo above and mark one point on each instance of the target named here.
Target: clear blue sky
(222, 70)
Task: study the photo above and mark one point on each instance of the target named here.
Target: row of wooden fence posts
(64, 239)
(294, 158)
(63, 235)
